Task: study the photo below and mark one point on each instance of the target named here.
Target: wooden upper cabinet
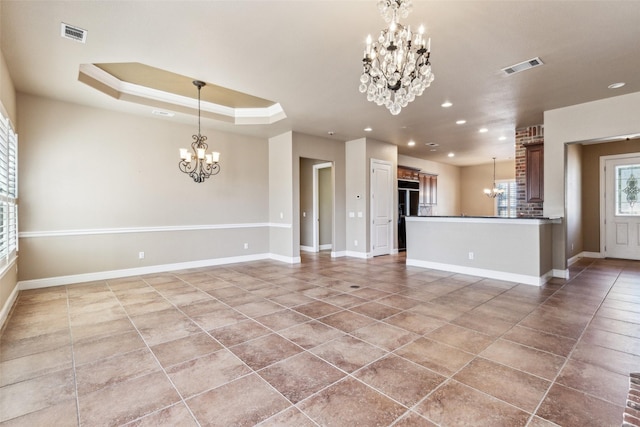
(408, 173)
(535, 172)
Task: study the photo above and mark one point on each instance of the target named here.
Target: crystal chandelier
(396, 66)
(197, 163)
(495, 191)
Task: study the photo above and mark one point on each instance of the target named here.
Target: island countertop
(517, 249)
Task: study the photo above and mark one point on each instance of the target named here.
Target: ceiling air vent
(531, 63)
(74, 33)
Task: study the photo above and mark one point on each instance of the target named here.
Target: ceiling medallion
(396, 66)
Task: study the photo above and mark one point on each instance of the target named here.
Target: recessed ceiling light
(483, 130)
(434, 149)
(162, 113)
(616, 85)
(450, 155)
(331, 133)
(461, 122)
(411, 143)
(368, 129)
(502, 138)
(432, 144)
(446, 104)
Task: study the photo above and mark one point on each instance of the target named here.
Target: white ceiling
(307, 54)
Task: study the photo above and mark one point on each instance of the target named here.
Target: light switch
(352, 214)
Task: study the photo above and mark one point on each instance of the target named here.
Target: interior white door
(622, 207)
(381, 208)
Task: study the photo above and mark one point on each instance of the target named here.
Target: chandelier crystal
(396, 66)
(495, 191)
(197, 163)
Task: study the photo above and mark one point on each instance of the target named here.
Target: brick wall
(524, 136)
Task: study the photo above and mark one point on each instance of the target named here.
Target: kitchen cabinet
(534, 173)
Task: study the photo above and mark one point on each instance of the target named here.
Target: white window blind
(8, 191)
(506, 203)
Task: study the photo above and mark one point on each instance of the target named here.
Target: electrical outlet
(355, 243)
(471, 255)
(246, 246)
(140, 255)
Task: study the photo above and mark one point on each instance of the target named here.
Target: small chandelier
(197, 163)
(495, 191)
(396, 67)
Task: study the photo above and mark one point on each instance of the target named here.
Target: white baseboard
(362, 255)
(307, 248)
(338, 254)
(6, 308)
(562, 274)
(285, 259)
(591, 255)
(326, 247)
(573, 259)
(583, 254)
(481, 272)
(114, 274)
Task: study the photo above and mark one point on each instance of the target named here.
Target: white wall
(356, 196)
(281, 207)
(97, 187)
(327, 150)
(593, 120)
(604, 118)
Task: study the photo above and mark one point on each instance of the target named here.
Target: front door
(381, 208)
(622, 207)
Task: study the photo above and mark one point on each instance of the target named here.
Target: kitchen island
(513, 249)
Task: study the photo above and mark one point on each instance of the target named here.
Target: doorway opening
(316, 205)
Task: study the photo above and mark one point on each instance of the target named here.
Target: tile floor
(340, 342)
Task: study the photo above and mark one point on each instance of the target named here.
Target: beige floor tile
(244, 402)
(204, 373)
(127, 401)
(186, 348)
(14, 348)
(35, 394)
(510, 385)
(300, 376)
(342, 403)
(88, 350)
(62, 414)
(177, 415)
(385, 336)
(35, 365)
(348, 353)
(455, 404)
(403, 381)
(215, 330)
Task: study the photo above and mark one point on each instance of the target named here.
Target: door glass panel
(627, 189)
